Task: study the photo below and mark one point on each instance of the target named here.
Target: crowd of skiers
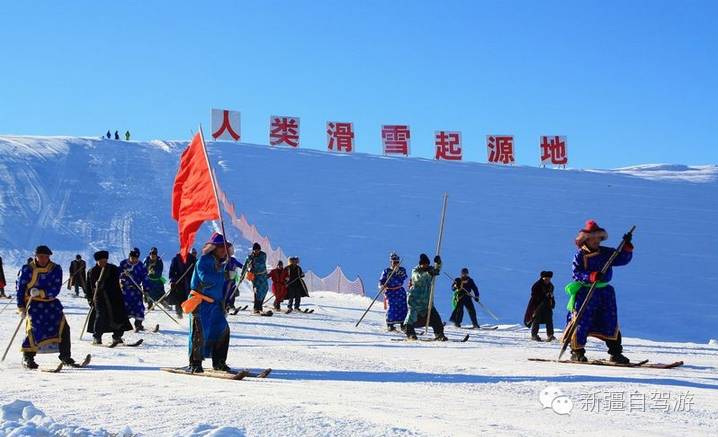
(205, 287)
(108, 135)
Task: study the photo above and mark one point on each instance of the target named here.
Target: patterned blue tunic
(260, 283)
(230, 295)
(600, 318)
(208, 278)
(132, 295)
(45, 316)
(395, 294)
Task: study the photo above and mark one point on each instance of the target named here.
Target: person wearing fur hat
(418, 299)
(134, 281)
(231, 287)
(155, 267)
(209, 330)
(103, 293)
(258, 275)
(392, 279)
(600, 319)
(77, 275)
(465, 290)
(180, 275)
(279, 276)
(540, 307)
(296, 288)
(38, 286)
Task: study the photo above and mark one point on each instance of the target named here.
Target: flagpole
(214, 189)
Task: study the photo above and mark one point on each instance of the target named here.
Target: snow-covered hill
(505, 224)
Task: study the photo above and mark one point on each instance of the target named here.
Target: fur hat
(465, 270)
(547, 274)
(101, 254)
(43, 250)
(394, 256)
(215, 240)
(424, 259)
(78, 256)
(591, 229)
(135, 253)
(153, 250)
(256, 246)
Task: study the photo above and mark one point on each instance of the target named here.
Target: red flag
(194, 199)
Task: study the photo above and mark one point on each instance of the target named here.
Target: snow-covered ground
(78, 195)
(331, 379)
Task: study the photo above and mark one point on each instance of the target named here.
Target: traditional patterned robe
(45, 316)
(132, 277)
(395, 294)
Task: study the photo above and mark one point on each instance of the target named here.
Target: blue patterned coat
(259, 268)
(45, 316)
(230, 285)
(395, 294)
(600, 318)
(208, 278)
(132, 295)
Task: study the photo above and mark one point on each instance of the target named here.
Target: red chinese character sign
(395, 139)
(284, 131)
(226, 125)
(500, 149)
(448, 145)
(553, 151)
(340, 137)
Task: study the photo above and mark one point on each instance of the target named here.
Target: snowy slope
(331, 379)
(505, 224)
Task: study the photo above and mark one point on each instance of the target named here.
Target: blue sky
(626, 82)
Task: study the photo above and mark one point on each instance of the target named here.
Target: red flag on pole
(194, 195)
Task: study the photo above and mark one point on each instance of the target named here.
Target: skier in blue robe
(134, 281)
(600, 319)
(393, 278)
(231, 288)
(258, 275)
(37, 288)
(209, 330)
(155, 266)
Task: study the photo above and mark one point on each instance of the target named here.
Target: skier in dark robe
(296, 288)
(418, 299)
(392, 278)
(465, 290)
(104, 295)
(3, 283)
(109, 135)
(540, 307)
(77, 275)
(209, 330)
(155, 267)
(117, 135)
(180, 275)
(600, 318)
(47, 331)
(279, 276)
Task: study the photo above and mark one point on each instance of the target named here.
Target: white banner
(226, 125)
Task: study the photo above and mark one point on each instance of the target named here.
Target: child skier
(465, 290)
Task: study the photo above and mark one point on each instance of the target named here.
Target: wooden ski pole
(150, 298)
(571, 328)
(381, 290)
(92, 307)
(438, 253)
(12, 339)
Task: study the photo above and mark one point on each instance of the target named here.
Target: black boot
(536, 338)
(195, 367)
(96, 340)
(138, 326)
(441, 337)
(28, 361)
(411, 332)
(579, 355)
(222, 367)
(390, 328)
(69, 362)
(619, 359)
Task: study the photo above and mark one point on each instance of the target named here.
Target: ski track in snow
(332, 379)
